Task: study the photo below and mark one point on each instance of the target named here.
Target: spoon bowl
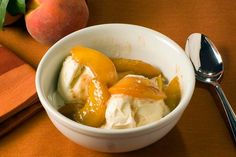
(205, 57)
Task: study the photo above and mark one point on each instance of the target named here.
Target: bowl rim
(99, 131)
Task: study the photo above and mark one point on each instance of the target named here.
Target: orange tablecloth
(200, 132)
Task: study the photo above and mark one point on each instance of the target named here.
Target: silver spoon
(209, 68)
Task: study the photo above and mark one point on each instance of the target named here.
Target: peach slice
(93, 112)
(137, 87)
(123, 74)
(101, 65)
(137, 66)
(160, 81)
(173, 93)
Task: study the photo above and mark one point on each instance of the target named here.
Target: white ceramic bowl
(116, 40)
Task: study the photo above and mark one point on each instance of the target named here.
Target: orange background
(200, 132)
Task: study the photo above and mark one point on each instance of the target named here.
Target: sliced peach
(101, 65)
(137, 87)
(137, 66)
(160, 81)
(173, 93)
(93, 112)
(123, 74)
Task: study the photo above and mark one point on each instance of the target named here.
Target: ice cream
(73, 81)
(124, 111)
(128, 112)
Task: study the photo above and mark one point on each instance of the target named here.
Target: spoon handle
(228, 109)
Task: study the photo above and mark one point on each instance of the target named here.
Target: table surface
(201, 131)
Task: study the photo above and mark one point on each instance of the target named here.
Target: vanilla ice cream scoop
(125, 111)
(73, 81)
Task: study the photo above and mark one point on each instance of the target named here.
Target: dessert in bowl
(115, 41)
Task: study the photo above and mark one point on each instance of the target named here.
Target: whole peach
(47, 21)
